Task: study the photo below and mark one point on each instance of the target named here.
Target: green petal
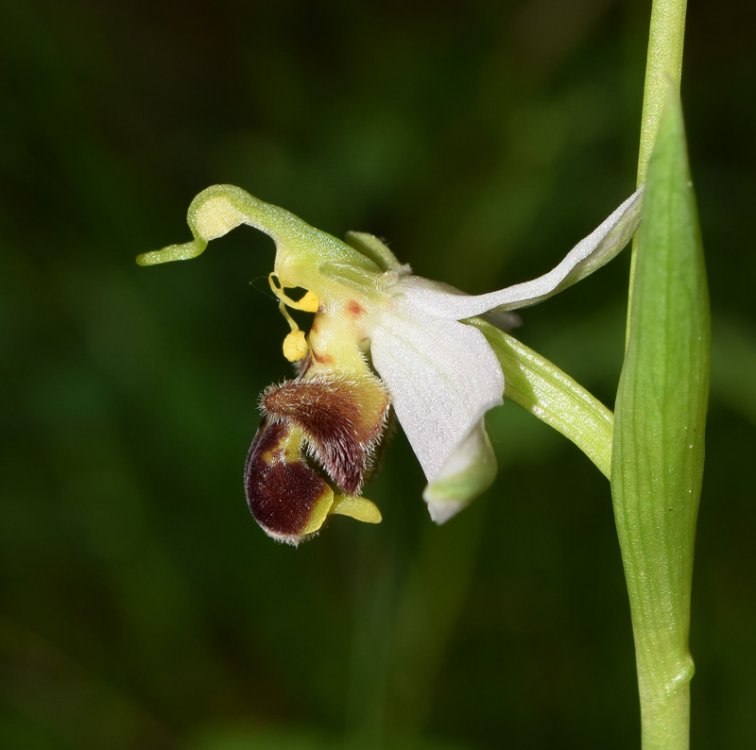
(371, 247)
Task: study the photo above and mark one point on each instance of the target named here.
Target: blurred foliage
(141, 607)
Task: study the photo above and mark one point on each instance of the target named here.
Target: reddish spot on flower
(322, 359)
(355, 308)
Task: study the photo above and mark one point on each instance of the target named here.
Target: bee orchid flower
(381, 338)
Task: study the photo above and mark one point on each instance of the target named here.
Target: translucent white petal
(442, 377)
(592, 252)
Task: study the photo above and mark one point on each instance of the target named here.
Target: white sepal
(442, 376)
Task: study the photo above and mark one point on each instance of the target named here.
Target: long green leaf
(658, 451)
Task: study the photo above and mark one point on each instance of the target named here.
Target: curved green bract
(659, 436)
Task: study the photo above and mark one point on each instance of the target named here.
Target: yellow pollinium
(295, 345)
(308, 303)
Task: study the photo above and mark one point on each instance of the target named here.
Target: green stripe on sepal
(658, 450)
(470, 471)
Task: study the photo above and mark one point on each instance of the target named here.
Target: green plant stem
(664, 57)
(663, 71)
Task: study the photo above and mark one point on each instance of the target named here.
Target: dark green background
(141, 606)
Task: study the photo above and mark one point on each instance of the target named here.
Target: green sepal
(540, 387)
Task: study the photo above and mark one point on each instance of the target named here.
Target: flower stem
(664, 57)
(663, 71)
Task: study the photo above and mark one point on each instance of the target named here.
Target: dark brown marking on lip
(281, 492)
(343, 420)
